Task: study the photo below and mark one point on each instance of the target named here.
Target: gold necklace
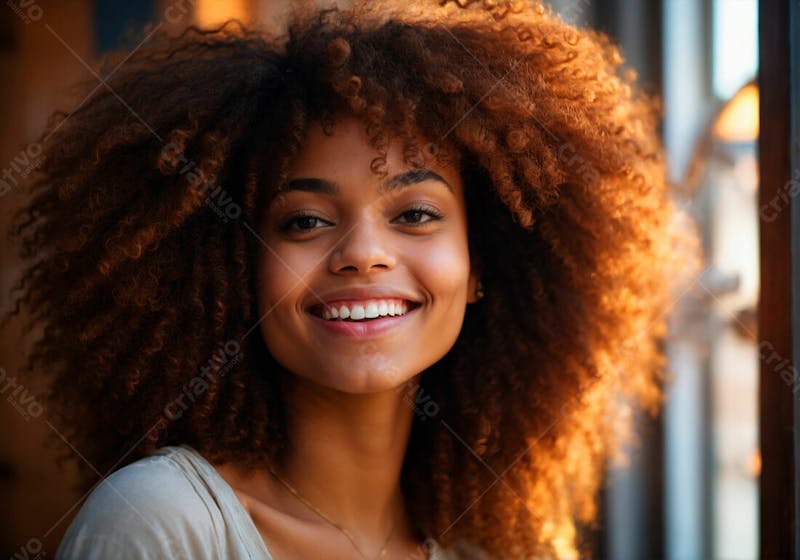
(346, 533)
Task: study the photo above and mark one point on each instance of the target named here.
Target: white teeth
(357, 312)
(371, 311)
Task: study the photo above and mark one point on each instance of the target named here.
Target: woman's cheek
(446, 270)
(281, 272)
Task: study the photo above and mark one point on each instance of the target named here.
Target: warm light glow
(210, 13)
(738, 121)
(755, 463)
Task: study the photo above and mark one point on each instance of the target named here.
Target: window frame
(779, 303)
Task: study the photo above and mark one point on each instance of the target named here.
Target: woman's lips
(364, 328)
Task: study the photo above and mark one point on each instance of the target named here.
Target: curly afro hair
(139, 232)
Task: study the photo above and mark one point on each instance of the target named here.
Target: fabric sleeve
(145, 511)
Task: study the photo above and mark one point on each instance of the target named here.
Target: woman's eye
(417, 213)
(305, 222)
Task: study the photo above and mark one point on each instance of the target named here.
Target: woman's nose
(363, 246)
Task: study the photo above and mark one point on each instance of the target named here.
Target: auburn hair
(139, 228)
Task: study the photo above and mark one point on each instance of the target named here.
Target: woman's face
(341, 235)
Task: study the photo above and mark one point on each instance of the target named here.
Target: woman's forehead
(347, 151)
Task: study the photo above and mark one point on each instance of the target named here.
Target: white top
(172, 504)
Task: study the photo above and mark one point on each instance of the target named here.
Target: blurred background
(690, 489)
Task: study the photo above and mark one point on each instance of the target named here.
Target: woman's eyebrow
(412, 177)
(324, 186)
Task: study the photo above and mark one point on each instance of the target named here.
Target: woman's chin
(361, 383)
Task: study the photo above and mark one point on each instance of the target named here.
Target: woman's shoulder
(152, 508)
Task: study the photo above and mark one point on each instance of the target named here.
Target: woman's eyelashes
(286, 226)
(414, 217)
(419, 211)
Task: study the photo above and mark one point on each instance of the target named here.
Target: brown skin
(348, 417)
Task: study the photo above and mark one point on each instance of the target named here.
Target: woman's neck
(346, 454)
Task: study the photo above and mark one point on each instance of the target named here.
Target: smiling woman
(358, 239)
(434, 246)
